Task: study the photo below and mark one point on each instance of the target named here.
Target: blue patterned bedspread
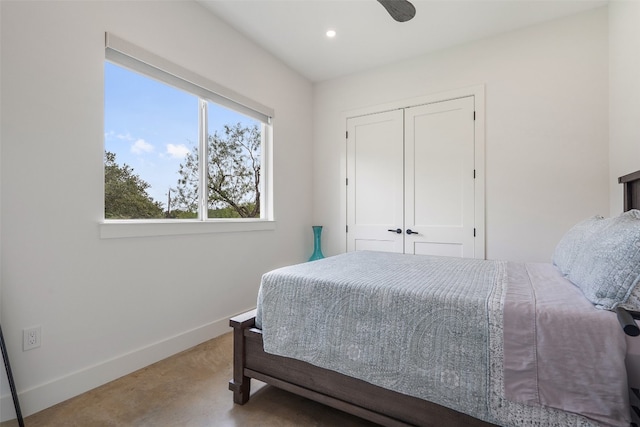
(414, 324)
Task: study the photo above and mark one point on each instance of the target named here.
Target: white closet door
(375, 182)
(439, 178)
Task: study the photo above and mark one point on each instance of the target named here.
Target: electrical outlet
(31, 338)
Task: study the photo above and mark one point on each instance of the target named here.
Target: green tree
(233, 175)
(125, 193)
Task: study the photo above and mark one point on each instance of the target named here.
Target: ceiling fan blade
(400, 10)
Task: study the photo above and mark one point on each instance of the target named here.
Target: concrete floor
(188, 389)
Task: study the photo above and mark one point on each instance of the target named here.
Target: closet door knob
(397, 230)
(409, 231)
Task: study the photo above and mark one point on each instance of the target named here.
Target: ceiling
(367, 37)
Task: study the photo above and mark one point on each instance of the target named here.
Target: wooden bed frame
(342, 392)
(339, 391)
(631, 190)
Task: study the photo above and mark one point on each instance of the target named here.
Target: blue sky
(151, 126)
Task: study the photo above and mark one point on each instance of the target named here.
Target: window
(179, 147)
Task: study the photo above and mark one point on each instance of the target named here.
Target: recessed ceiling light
(331, 33)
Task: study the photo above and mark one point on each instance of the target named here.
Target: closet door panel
(439, 187)
(440, 249)
(375, 202)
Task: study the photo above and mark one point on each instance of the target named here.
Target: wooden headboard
(631, 190)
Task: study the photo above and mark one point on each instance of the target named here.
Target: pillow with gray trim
(607, 265)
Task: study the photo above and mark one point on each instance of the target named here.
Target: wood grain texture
(348, 394)
(631, 190)
(240, 385)
(400, 10)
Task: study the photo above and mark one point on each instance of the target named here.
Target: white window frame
(130, 56)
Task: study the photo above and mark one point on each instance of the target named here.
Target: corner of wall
(624, 102)
(50, 393)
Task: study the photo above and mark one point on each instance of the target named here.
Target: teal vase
(317, 243)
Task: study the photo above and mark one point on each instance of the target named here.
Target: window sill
(114, 229)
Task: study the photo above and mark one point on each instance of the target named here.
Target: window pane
(151, 135)
(234, 164)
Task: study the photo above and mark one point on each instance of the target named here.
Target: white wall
(110, 306)
(546, 129)
(624, 95)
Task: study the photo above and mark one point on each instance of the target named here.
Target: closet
(411, 180)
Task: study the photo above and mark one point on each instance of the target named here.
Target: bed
(509, 364)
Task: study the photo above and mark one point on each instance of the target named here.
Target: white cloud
(125, 137)
(112, 135)
(177, 151)
(141, 146)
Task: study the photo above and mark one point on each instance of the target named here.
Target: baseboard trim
(53, 392)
